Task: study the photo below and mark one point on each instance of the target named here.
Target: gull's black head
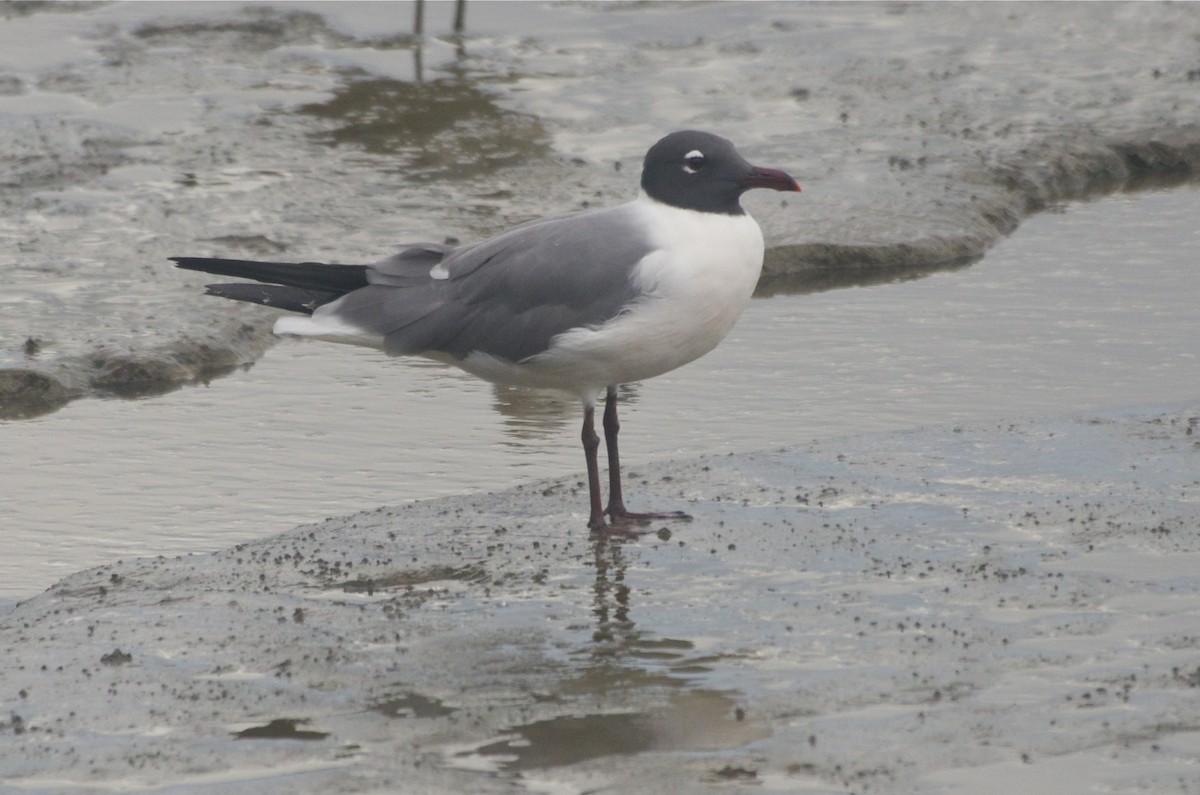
(700, 171)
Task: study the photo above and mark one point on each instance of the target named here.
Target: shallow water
(1095, 306)
(921, 133)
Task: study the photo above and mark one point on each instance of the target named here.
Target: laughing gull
(579, 303)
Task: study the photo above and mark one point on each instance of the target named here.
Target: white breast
(693, 287)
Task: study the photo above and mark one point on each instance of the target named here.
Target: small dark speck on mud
(731, 773)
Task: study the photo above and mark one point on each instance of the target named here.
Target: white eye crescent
(693, 161)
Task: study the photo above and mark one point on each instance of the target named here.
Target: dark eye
(693, 161)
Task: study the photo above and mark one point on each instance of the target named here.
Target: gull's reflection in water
(532, 415)
(635, 692)
(616, 639)
(610, 602)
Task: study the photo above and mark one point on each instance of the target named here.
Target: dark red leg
(591, 443)
(612, 426)
(616, 500)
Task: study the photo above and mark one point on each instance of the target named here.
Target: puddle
(281, 729)
(694, 720)
(447, 128)
(412, 705)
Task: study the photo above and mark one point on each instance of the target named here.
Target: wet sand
(966, 608)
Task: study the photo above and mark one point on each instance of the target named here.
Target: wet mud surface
(941, 610)
(922, 134)
(976, 607)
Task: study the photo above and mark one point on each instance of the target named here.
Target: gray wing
(508, 296)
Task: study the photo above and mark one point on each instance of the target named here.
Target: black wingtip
(326, 277)
(203, 264)
(293, 299)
